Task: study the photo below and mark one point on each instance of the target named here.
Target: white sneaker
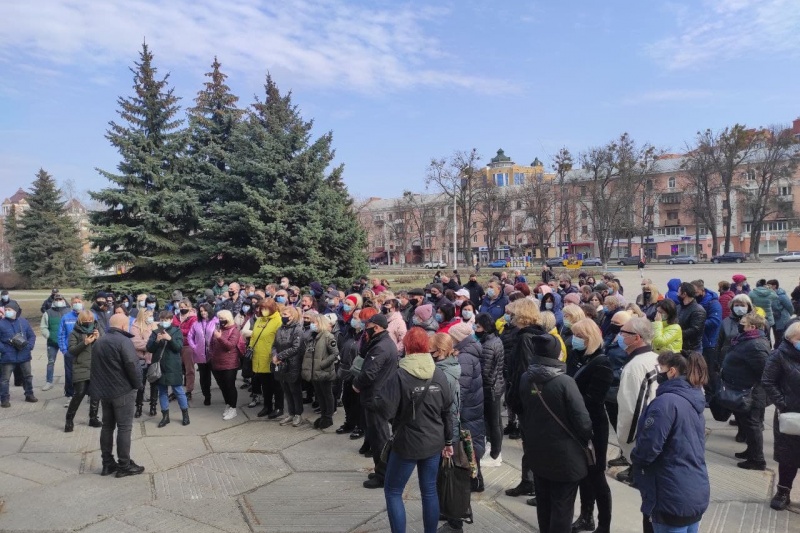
(47, 386)
(286, 420)
(296, 420)
(230, 413)
(488, 462)
(255, 402)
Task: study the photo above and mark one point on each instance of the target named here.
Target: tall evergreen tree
(46, 244)
(150, 213)
(9, 232)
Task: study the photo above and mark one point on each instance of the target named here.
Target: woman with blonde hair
(594, 379)
(572, 315)
(648, 301)
(223, 358)
(319, 368)
(287, 361)
(261, 341)
(142, 327)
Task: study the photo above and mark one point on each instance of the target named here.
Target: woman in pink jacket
(199, 340)
(224, 360)
(397, 325)
(141, 328)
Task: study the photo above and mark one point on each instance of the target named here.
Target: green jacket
(168, 355)
(321, 354)
(50, 324)
(81, 353)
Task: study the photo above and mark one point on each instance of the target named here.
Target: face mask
(491, 293)
(578, 344)
(245, 309)
(548, 305)
(250, 294)
(329, 302)
(385, 310)
(563, 286)
(439, 317)
(539, 296)
(480, 334)
(184, 311)
(662, 377)
(231, 293)
(284, 320)
(467, 315)
(149, 320)
(314, 327)
(740, 327)
(306, 325)
(77, 307)
(614, 328)
(605, 309)
(356, 324)
(88, 327)
(646, 295)
(151, 306)
(435, 297)
(11, 315)
(347, 308)
(567, 324)
(416, 321)
(370, 331)
(739, 310)
(125, 304)
(223, 323)
(797, 346)
(165, 324)
(281, 299)
(285, 285)
(101, 305)
(428, 295)
(507, 318)
(621, 342)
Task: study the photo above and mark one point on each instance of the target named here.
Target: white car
(788, 256)
(435, 264)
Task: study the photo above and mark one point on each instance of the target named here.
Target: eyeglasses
(628, 332)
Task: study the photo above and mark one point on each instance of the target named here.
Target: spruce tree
(46, 243)
(9, 233)
(150, 213)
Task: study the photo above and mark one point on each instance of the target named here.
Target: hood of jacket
(674, 284)
(543, 369)
(470, 345)
(449, 365)
(707, 298)
(780, 292)
(683, 388)
(419, 365)
(762, 291)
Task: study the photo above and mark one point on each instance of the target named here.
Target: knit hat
(438, 286)
(600, 286)
(379, 320)
(316, 286)
(738, 278)
(572, 298)
(424, 312)
(460, 331)
(546, 346)
(354, 300)
(99, 295)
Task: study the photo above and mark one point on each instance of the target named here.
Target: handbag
(453, 486)
(154, 370)
(388, 446)
(789, 423)
(248, 353)
(588, 450)
(19, 341)
(737, 400)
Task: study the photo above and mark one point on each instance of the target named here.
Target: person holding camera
(16, 343)
(80, 344)
(166, 343)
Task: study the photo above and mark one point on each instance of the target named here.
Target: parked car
(435, 264)
(497, 263)
(593, 262)
(555, 262)
(788, 256)
(729, 257)
(630, 260)
(682, 260)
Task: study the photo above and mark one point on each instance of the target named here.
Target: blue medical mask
(491, 293)
(548, 305)
(347, 308)
(245, 308)
(313, 327)
(739, 310)
(507, 318)
(797, 346)
(439, 317)
(151, 306)
(539, 296)
(357, 324)
(11, 314)
(621, 342)
(280, 299)
(605, 309)
(568, 324)
(467, 315)
(149, 320)
(578, 344)
(165, 324)
(77, 307)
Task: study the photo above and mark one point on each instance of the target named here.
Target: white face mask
(739, 310)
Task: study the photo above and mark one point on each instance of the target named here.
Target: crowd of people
(429, 370)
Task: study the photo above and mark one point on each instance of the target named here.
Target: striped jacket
(637, 388)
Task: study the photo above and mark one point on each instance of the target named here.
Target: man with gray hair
(637, 385)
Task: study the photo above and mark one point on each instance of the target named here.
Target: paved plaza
(250, 474)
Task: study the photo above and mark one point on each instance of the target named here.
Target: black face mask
(662, 377)
(306, 325)
(646, 295)
(184, 311)
(613, 328)
(740, 327)
(284, 320)
(370, 331)
(223, 323)
(563, 286)
(435, 297)
(231, 293)
(385, 310)
(480, 334)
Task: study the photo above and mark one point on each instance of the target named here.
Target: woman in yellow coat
(261, 341)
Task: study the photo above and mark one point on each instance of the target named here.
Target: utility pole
(455, 234)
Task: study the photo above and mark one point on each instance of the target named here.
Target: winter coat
(9, 328)
(667, 336)
(764, 297)
(617, 357)
(796, 299)
(199, 338)
(223, 353)
(185, 323)
(553, 453)
(529, 342)
(509, 339)
(452, 371)
(556, 310)
(289, 350)
(607, 327)
(471, 382)
(594, 380)
(673, 285)
(380, 363)
(115, 366)
(65, 328)
(782, 309)
(50, 323)
(102, 317)
(475, 293)
(495, 307)
(397, 329)
(168, 355)
(713, 309)
(430, 325)
(492, 360)
(81, 353)
(669, 464)
(781, 381)
(261, 341)
(320, 357)
(637, 388)
(744, 364)
(140, 338)
(425, 429)
(725, 302)
(692, 319)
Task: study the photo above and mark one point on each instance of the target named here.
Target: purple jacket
(199, 338)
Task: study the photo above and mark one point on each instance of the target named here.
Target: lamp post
(455, 229)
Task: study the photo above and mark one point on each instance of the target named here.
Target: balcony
(671, 198)
(672, 222)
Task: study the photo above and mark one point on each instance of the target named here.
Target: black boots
(164, 418)
(94, 407)
(131, 470)
(109, 469)
(525, 488)
(185, 420)
(152, 407)
(69, 426)
(585, 522)
(138, 413)
(781, 500)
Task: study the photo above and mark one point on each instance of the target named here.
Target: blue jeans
(52, 352)
(398, 471)
(163, 397)
(69, 391)
(661, 528)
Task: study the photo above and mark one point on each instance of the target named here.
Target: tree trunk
(728, 220)
(755, 240)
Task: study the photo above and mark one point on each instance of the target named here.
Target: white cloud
(668, 95)
(722, 30)
(329, 43)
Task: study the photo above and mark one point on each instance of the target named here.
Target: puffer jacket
(261, 341)
(185, 322)
(667, 336)
(764, 297)
(199, 338)
(725, 302)
(168, 355)
(492, 360)
(397, 329)
(713, 309)
(140, 337)
(471, 382)
(692, 319)
(9, 328)
(495, 307)
(289, 350)
(223, 353)
(452, 371)
(509, 339)
(81, 353)
(673, 285)
(744, 364)
(380, 363)
(320, 357)
(781, 381)
(727, 332)
(782, 309)
(669, 464)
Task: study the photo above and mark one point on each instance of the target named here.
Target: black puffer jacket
(471, 382)
(728, 330)
(781, 381)
(531, 341)
(492, 362)
(594, 380)
(744, 365)
(380, 363)
(289, 348)
(554, 454)
(509, 340)
(692, 319)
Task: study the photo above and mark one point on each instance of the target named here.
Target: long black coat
(471, 382)
(594, 380)
(781, 381)
(743, 367)
(290, 349)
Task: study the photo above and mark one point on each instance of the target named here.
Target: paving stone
(259, 437)
(313, 502)
(10, 445)
(723, 517)
(219, 475)
(168, 452)
(27, 467)
(224, 513)
(9, 484)
(486, 519)
(324, 453)
(80, 500)
(19, 407)
(149, 518)
(48, 437)
(204, 420)
(111, 525)
(731, 483)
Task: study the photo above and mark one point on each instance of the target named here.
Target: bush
(13, 281)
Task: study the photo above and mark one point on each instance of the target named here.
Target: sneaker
(31, 399)
(254, 402)
(47, 386)
(230, 413)
(131, 470)
(5, 404)
(488, 462)
(296, 420)
(374, 483)
(286, 420)
(619, 461)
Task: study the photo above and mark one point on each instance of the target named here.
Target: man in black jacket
(115, 378)
(380, 363)
(691, 317)
(475, 290)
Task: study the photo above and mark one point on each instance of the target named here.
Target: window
(519, 205)
(474, 238)
(772, 225)
(648, 211)
(672, 215)
(443, 211)
(671, 230)
(584, 230)
(474, 225)
(702, 230)
(584, 214)
(785, 190)
(519, 178)
(583, 190)
(500, 179)
(671, 182)
(648, 185)
(427, 242)
(390, 217)
(750, 175)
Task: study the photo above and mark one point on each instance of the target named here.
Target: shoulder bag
(588, 450)
(388, 446)
(789, 423)
(248, 353)
(737, 400)
(154, 370)
(19, 341)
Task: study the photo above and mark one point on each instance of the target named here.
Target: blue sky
(401, 82)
